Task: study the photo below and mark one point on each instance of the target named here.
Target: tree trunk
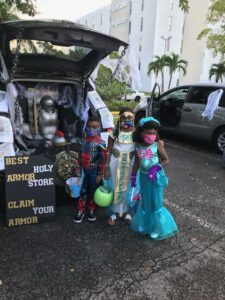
(162, 81)
(170, 81)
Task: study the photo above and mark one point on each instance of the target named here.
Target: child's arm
(136, 164)
(164, 160)
(102, 162)
(134, 171)
(108, 156)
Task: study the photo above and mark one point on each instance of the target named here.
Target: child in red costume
(92, 162)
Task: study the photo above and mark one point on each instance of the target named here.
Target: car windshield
(178, 94)
(74, 53)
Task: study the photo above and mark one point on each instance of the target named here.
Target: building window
(171, 4)
(93, 23)
(142, 5)
(140, 47)
(170, 23)
(141, 24)
(101, 17)
(129, 27)
(168, 45)
(139, 64)
(130, 7)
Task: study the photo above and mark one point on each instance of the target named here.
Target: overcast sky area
(67, 9)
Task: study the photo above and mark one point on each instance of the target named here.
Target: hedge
(115, 105)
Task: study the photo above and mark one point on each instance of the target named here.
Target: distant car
(134, 96)
(179, 111)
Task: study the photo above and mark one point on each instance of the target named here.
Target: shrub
(115, 105)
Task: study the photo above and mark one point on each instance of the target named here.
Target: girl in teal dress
(151, 217)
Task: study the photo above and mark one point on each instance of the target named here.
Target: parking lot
(60, 260)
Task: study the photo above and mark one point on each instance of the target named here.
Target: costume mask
(149, 138)
(91, 132)
(127, 124)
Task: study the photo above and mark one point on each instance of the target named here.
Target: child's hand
(77, 172)
(133, 180)
(152, 173)
(98, 179)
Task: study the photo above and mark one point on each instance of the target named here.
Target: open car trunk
(54, 48)
(49, 60)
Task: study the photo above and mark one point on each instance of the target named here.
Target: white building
(195, 51)
(157, 27)
(168, 35)
(98, 20)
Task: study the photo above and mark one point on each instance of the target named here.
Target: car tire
(138, 116)
(137, 98)
(219, 140)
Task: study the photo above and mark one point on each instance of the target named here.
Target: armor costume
(47, 118)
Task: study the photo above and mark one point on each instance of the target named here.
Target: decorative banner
(3, 102)
(106, 118)
(6, 132)
(99, 105)
(6, 149)
(96, 100)
(30, 189)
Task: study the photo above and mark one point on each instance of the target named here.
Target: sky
(67, 9)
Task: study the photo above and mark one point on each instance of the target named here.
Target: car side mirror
(155, 99)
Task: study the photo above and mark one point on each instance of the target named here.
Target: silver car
(180, 111)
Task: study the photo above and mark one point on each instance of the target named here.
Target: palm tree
(157, 66)
(217, 70)
(174, 63)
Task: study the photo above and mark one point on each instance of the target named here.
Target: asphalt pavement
(61, 260)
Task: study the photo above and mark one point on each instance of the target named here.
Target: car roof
(218, 85)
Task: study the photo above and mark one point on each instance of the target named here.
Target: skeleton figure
(47, 118)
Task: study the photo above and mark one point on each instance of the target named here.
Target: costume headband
(148, 119)
(127, 114)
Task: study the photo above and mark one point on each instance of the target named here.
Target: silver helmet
(47, 104)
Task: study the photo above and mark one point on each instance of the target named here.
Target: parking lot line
(190, 215)
(194, 151)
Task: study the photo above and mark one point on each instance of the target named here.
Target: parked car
(223, 159)
(179, 111)
(53, 59)
(136, 96)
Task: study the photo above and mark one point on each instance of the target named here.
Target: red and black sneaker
(91, 216)
(79, 217)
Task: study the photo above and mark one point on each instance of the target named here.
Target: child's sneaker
(91, 216)
(79, 217)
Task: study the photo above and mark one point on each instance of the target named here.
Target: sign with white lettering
(117, 22)
(30, 189)
(119, 5)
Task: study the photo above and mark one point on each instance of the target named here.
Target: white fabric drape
(212, 104)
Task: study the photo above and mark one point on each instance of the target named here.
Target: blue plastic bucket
(74, 184)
